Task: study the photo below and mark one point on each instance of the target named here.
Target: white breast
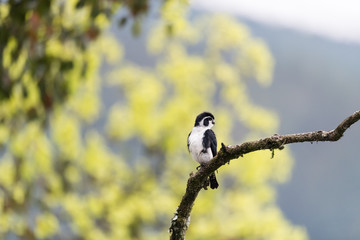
(196, 147)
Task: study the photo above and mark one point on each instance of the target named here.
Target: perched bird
(202, 142)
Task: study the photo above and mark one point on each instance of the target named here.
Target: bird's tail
(213, 182)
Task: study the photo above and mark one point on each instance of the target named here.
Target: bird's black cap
(201, 116)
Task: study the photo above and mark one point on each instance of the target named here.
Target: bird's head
(205, 119)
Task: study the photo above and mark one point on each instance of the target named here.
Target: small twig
(223, 147)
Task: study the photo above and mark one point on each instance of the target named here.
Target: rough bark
(181, 220)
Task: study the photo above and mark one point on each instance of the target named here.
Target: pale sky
(335, 19)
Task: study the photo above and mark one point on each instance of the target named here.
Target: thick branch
(181, 220)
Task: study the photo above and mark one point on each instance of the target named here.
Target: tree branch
(181, 220)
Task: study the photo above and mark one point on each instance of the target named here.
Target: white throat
(195, 144)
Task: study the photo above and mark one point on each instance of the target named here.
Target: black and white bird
(202, 142)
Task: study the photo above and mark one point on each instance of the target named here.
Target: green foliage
(59, 178)
(40, 39)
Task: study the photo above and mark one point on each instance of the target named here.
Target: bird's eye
(206, 122)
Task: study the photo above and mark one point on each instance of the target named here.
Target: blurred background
(316, 84)
(97, 99)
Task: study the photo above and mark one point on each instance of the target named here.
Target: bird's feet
(201, 165)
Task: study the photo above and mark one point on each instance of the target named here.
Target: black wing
(209, 141)
(188, 144)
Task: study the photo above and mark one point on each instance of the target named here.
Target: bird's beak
(213, 122)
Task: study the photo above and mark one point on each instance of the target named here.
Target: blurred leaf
(122, 21)
(136, 28)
